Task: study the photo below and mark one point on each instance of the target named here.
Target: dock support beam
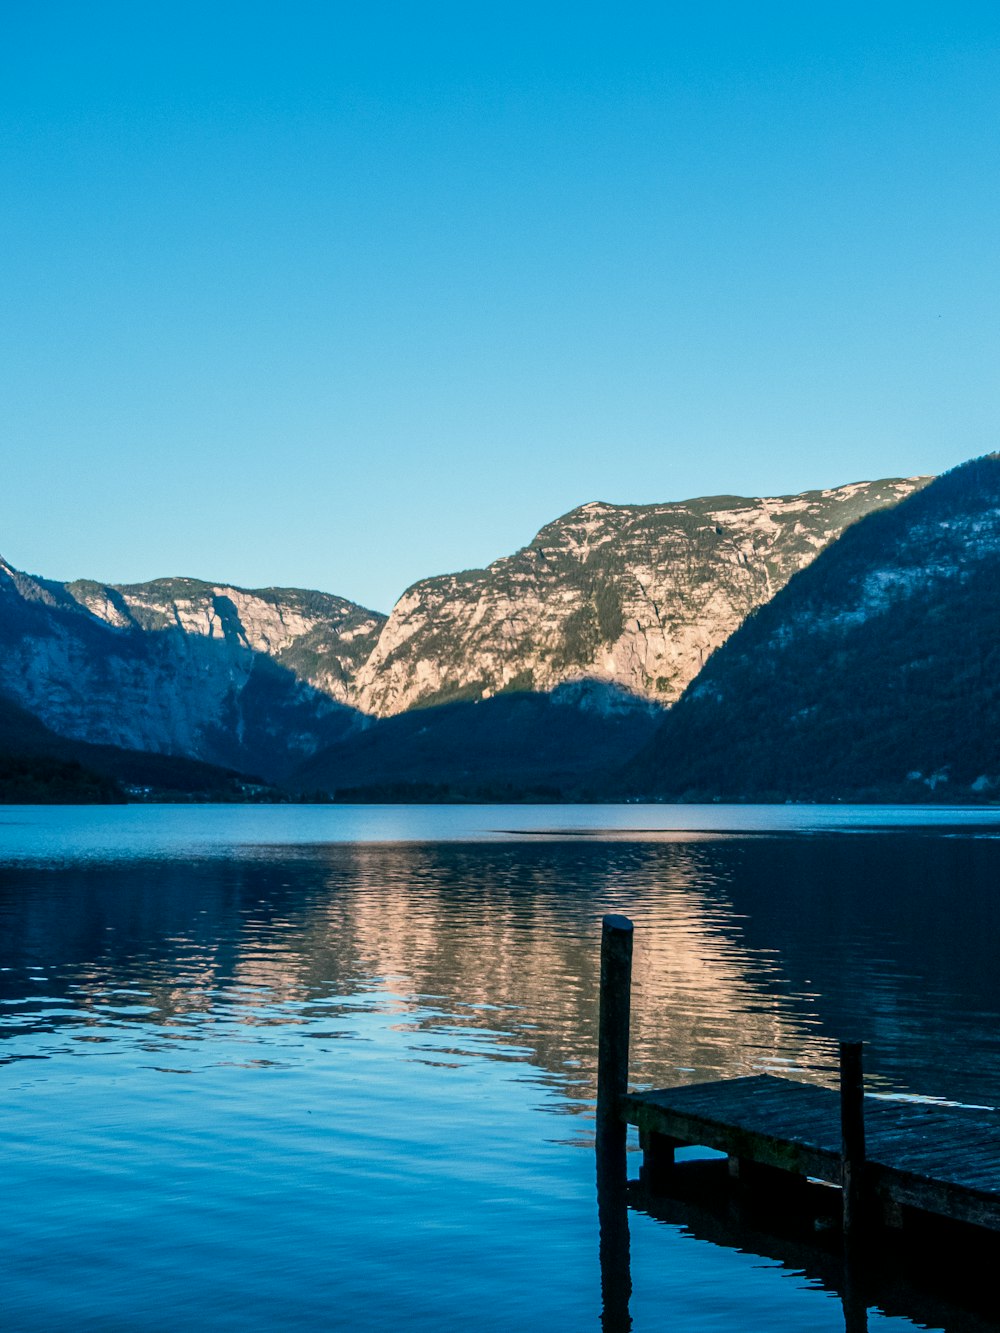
(612, 1042)
(852, 1125)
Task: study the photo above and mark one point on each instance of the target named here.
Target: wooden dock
(938, 1159)
(889, 1157)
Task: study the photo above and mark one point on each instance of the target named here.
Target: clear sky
(341, 295)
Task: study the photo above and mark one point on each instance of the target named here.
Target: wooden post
(852, 1126)
(657, 1160)
(612, 1042)
(612, 1083)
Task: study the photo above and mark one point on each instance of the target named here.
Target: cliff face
(254, 680)
(875, 674)
(320, 638)
(638, 595)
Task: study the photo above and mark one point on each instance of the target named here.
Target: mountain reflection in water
(392, 1017)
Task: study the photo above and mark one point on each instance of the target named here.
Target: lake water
(333, 1067)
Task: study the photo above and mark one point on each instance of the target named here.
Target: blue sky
(340, 296)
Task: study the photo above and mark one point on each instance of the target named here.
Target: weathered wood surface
(940, 1159)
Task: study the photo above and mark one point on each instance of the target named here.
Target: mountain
(632, 598)
(515, 746)
(638, 595)
(249, 680)
(874, 674)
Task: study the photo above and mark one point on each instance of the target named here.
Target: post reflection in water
(853, 1293)
(292, 1023)
(615, 1255)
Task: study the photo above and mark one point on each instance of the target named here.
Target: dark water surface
(333, 1068)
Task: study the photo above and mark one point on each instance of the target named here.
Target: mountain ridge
(634, 598)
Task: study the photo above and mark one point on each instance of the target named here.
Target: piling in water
(613, 1032)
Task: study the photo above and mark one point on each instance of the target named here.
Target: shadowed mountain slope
(514, 746)
(875, 673)
(38, 766)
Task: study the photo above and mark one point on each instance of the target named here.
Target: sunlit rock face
(250, 679)
(639, 595)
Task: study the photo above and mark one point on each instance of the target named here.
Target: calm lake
(334, 1067)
